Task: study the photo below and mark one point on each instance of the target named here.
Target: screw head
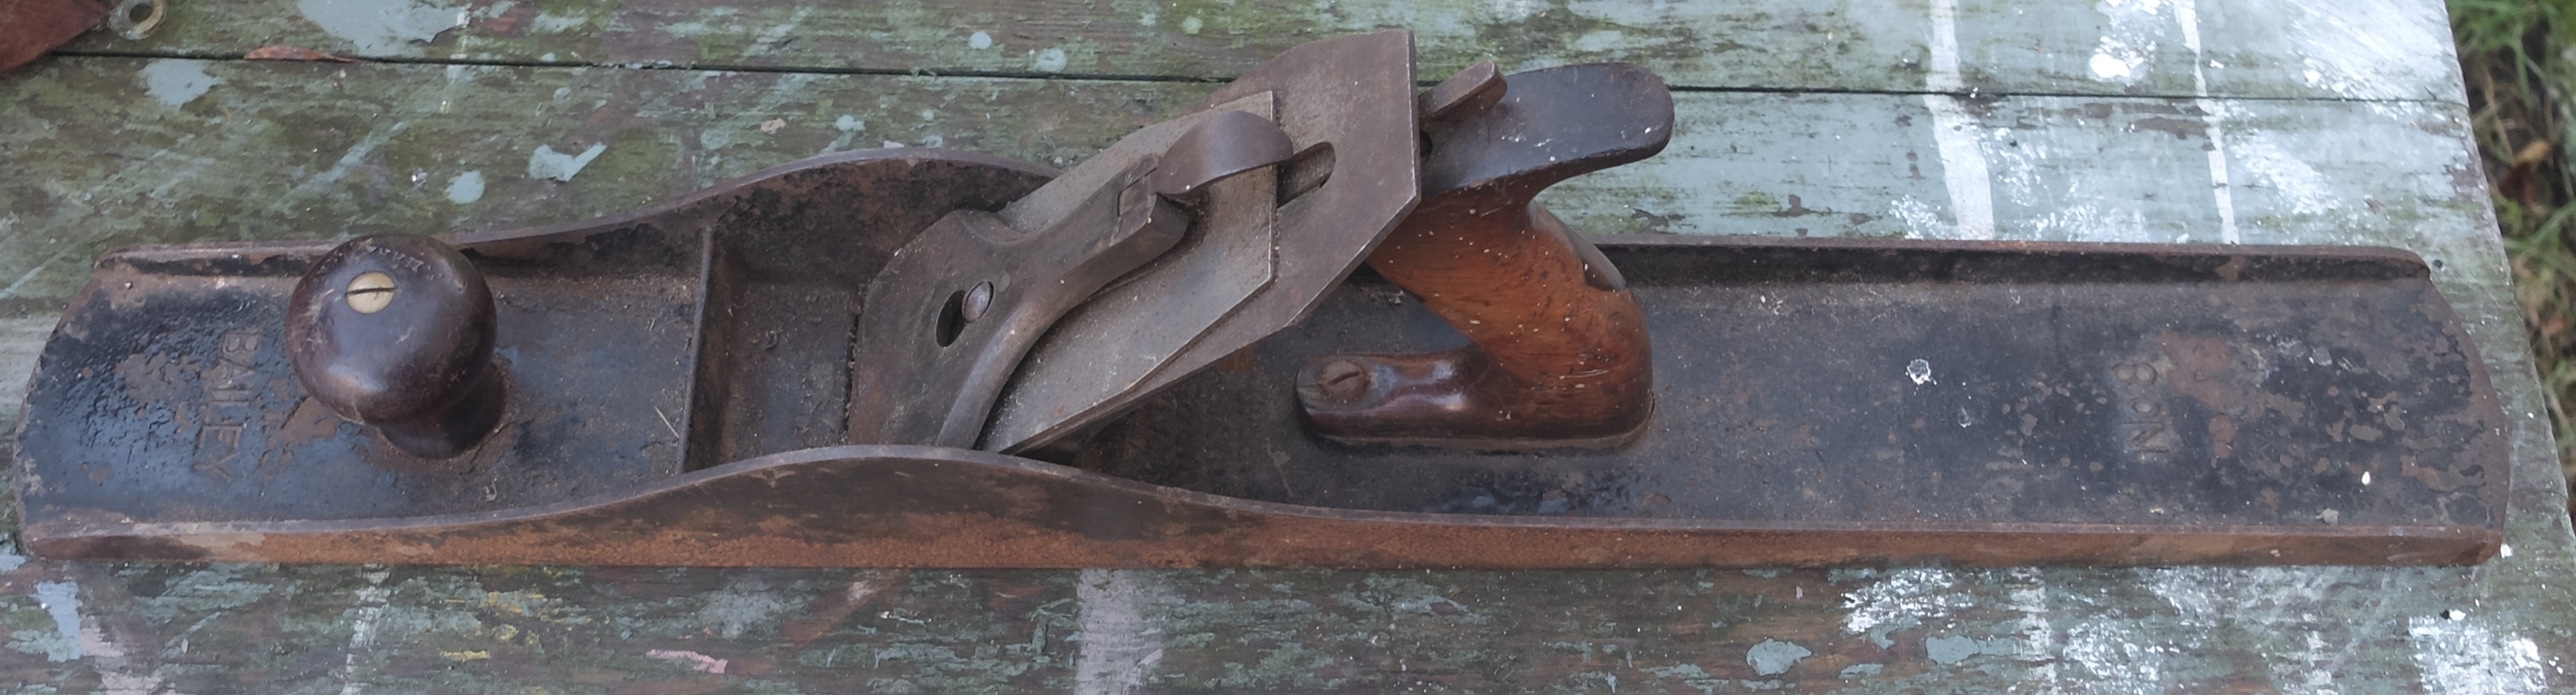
(978, 301)
(370, 292)
(1344, 380)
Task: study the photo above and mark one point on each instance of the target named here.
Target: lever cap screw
(978, 301)
(371, 292)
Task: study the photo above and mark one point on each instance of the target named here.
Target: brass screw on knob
(371, 292)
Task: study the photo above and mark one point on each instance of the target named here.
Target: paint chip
(175, 82)
(1049, 60)
(695, 661)
(1950, 649)
(1773, 657)
(465, 188)
(546, 163)
(61, 601)
(379, 27)
(979, 41)
(2110, 67)
(772, 126)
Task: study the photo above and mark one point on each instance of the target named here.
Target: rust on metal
(1227, 144)
(1557, 351)
(1347, 105)
(1470, 92)
(898, 506)
(929, 375)
(788, 370)
(29, 28)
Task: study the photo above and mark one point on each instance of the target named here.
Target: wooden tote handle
(1558, 354)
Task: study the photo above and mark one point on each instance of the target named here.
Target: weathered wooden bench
(2139, 120)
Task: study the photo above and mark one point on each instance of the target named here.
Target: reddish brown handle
(29, 28)
(1559, 354)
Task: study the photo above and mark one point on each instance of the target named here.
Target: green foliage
(2489, 25)
(2518, 58)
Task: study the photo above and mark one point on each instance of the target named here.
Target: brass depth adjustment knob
(395, 331)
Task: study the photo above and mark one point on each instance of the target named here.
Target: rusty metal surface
(1815, 402)
(1227, 256)
(1800, 382)
(956, 308)
(1227, 144)
(2005, 404)
(929, 361)
(29, 28)
(166, 394)
(899, 506)
(1559, 354)
(1349, 99)
(789, 255)
(1470, 92)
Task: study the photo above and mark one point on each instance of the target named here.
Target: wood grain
(2305, 49)
(289, 150)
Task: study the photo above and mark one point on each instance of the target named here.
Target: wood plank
(230, 150)
(428, 149)
(252, 629)
(2381, 49)
(255, 629)
(363, 148)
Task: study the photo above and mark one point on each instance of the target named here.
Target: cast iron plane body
(1170, 356)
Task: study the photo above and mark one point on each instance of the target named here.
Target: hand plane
(1317, 319)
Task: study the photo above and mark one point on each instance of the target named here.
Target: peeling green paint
(2007, 47)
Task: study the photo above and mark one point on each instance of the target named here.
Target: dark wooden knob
(395, 331)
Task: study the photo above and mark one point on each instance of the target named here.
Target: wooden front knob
(395, 331)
